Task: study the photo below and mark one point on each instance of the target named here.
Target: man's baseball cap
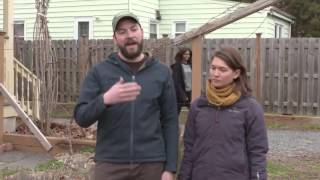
(122, 15)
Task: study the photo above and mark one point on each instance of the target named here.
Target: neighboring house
(69, 19)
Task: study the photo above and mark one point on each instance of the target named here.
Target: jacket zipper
(131, 126)
(258, 176)
(216, 119)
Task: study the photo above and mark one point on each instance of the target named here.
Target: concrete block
(10, 124)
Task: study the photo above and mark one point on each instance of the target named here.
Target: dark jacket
(145, 130)
(178, 80)
(225, 143)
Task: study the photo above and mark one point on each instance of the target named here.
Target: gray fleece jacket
(225, 143)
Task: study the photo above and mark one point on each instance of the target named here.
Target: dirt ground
(305, 167)
(77, 166)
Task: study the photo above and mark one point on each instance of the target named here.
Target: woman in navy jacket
(182, 76)
(225, 135)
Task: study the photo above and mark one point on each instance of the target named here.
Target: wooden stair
(26, 94)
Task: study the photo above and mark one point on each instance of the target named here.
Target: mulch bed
(63, 130)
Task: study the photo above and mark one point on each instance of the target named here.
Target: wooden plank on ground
(292, 120)
(32, 127)
(30, 143)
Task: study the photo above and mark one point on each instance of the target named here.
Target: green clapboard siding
(62, 15)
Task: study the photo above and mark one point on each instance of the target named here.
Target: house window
(278, 31)
(179, 28)
(83, 26)
(83, 29)
(18, 29)
(153, 30)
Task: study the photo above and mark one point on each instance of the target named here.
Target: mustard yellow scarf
(222, 97)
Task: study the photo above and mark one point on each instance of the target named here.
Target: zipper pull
(258, 176)
(133, 78)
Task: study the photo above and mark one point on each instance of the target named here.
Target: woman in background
(225, 135)
(182, 77)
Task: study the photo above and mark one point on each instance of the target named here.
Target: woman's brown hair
(180, 53)
(233, 59)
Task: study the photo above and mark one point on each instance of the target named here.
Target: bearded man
(132, 97)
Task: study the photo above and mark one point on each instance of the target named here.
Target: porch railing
(26, 89)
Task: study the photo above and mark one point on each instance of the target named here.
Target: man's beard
(131, 55)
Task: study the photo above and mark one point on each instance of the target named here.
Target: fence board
(289, 98)
(311, 63)
(281, 89)
(62, 59)
(68, 71)
(304, 77)
(267, 75)
(317, 47)
(75, 73)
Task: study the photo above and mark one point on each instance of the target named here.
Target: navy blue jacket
(145, 130)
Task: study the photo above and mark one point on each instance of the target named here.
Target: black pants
(186, 104)
(139, 171)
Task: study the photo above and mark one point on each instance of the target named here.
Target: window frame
(24, 28)
(90, 20)
(278, 29)
(152, 21)
(174, 26)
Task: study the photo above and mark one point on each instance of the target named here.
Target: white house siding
(286, 31)
(62, 14)
(198, 12)
(194, 12)
(243, 28)
(146, 11)
(24, 11)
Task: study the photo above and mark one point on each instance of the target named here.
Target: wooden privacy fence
(76, 57)
(289, 68)
(290, 71)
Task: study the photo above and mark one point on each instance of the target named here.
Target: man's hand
(121, 92)
(166, 175)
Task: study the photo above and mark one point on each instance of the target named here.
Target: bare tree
(45, 65)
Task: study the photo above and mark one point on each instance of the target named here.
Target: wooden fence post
(196, 66)
(258, 67)
(2, 34)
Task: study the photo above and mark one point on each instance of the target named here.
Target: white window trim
(278, 33)
(153, 21)
(83, 19)
(20, 21)
(173, 29)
